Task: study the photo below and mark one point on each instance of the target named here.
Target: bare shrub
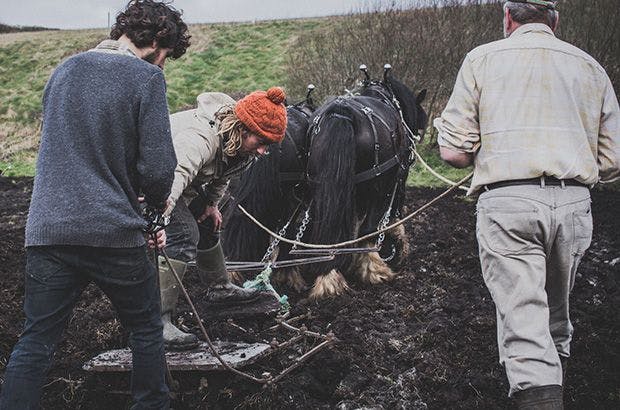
(427, 45)
(593, 26)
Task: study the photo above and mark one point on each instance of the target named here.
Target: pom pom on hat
(264, 113)
(276, 95)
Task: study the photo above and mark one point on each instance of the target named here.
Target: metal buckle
(367, 110)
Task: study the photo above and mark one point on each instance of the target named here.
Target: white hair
(524, 13)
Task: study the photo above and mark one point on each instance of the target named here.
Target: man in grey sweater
(105, 140)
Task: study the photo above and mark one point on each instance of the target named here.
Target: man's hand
(214, 213)
(159, 241)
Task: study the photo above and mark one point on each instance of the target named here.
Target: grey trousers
(531, 240)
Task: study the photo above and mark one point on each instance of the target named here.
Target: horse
(360, 153)
(271, 189)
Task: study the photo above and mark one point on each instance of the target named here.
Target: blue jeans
(55, 278)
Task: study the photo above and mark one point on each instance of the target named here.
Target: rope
(432, 171)
(204, 331)
(363, 238)
(262, 283)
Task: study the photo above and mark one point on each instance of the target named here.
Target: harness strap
(377, 170)
(299, 154)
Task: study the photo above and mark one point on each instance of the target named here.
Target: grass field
(232, 58)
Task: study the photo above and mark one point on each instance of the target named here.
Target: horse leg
(330, 284)
(371, 268)
(290, 277)
(395, 248)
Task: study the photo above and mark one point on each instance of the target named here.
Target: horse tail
(331, 171)
(259, 192)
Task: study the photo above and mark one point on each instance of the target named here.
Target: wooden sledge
(236, 354)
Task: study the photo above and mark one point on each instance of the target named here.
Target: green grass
(19, 165)
(230, 58)
(420, 176)
(239, 58)
(26, 62)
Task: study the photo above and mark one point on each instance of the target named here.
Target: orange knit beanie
(264, 113)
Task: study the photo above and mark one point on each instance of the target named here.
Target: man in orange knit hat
(213, 143)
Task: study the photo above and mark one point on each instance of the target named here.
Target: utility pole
(108, 20)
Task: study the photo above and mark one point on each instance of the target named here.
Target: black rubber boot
(540, 398)
(224, 299)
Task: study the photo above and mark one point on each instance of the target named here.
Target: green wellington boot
(174, 338)
(226, 299)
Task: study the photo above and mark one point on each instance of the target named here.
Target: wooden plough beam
(236, 354)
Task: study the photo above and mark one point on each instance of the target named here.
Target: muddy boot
(540, 398)
(226, 300)
(174, 338)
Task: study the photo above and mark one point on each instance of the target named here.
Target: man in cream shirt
(539, 120)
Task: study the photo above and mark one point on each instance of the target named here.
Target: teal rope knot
(261, 282)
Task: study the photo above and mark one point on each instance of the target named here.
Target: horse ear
(421, 96)
(364, 70)
(386, 71)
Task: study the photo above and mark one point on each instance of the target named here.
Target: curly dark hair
(145, 21)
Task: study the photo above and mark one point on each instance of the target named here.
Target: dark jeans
(184, 235)
(55, 278)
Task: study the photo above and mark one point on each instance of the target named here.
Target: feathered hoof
(395, 249)
(372, 269)
(290, 278)
(236, 277)
(330, 284)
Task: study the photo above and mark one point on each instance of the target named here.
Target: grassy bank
(232, 58)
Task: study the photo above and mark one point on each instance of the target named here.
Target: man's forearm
(457, 159)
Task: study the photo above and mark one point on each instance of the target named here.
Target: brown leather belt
(540, 181)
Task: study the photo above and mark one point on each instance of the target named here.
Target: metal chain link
(303, 226)
(274, 243)
(386, 217)
(384, 222)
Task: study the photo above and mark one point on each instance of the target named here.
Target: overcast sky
(72, 14)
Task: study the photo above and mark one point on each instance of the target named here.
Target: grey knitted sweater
(105, 138)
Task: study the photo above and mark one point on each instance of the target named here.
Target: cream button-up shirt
(532, 105)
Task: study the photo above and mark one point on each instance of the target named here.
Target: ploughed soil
(425, 340)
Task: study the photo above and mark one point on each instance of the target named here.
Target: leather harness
(378, 168)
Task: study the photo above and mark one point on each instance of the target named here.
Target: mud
(425, 340)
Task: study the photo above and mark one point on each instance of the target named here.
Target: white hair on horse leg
(401, 240)
(372, 269)
(330, 284)
(236, 277)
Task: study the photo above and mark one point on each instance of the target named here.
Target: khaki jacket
(202, 166)
(533, 105)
